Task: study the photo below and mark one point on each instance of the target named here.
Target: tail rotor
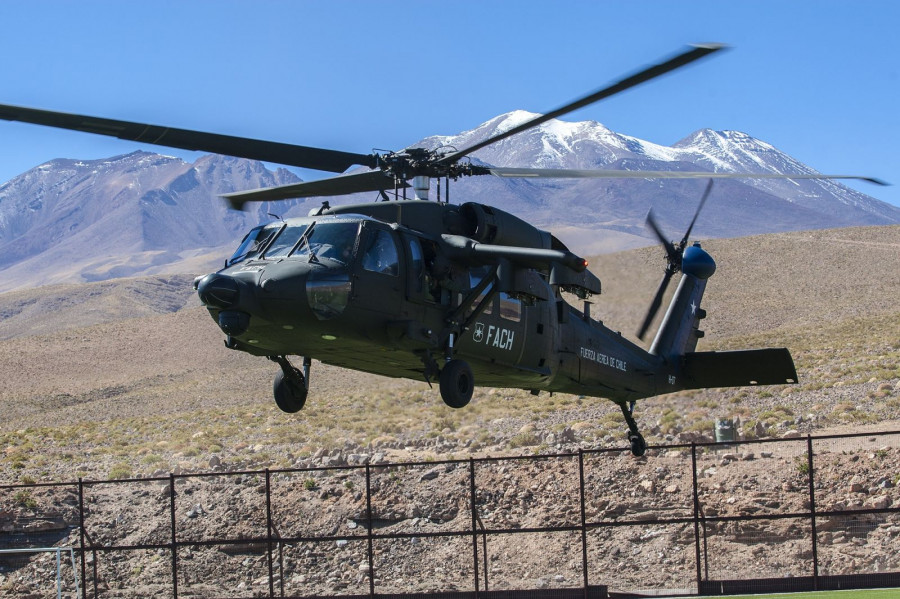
(674, 260)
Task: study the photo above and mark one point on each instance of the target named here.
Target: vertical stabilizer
(679, 331)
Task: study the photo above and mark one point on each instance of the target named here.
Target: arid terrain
(129, 378)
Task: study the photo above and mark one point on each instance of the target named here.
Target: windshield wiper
(304, 240)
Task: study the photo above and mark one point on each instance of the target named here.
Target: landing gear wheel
(638, 445)
(457, 383)
(290, 392)
(635, 439)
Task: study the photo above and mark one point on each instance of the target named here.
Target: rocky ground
(761, 479)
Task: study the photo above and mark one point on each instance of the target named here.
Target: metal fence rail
(797, 526)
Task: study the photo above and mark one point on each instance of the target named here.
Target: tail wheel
(638, 445)
(290, 395)
(457, 383)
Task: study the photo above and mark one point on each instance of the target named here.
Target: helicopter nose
(218, 290)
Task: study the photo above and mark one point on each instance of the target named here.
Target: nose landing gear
(291, 385)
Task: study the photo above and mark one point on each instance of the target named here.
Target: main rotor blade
(560, 173)
(185, 139)
(655, 304)
(646, 74)
(333, 186)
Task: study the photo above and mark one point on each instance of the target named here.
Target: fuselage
(353, 291)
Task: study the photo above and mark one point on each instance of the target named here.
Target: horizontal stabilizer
(772, 366)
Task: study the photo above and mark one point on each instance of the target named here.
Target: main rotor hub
(415, 162)
(410, 163)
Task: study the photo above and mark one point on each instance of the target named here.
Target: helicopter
(464, 295)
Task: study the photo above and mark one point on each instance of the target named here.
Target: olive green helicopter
(465, 295)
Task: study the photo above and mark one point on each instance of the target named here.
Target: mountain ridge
(72, 220)
(82, 220)
(590, 144)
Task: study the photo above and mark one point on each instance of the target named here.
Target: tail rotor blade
(656, 303)
(651, 222)
(674, 256)
(687, 233)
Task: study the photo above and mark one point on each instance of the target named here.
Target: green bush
(120, 470)
(24, 499)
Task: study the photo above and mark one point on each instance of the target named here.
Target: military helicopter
(463, 295)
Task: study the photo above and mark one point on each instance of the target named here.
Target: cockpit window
(285, 241)
(329, 240)
(382, 255)
(254, 242)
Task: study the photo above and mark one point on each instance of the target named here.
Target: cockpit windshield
(254, 242)
(319, 240)
(334, 241)
(286, 241)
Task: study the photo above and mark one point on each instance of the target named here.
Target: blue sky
(819, 80)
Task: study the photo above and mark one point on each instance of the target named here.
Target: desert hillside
(127, 372)
(130, 378)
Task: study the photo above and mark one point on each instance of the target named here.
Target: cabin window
(510, 308)
(475, 277)
(381, 256)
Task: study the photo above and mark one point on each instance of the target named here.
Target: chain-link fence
(753, 516)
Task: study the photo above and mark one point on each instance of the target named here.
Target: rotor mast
(421, 186)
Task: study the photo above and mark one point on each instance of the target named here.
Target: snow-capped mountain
(733, 151)
(74, 220)
(589, 144)
(605, 214)
(555, 144)
(71, 220)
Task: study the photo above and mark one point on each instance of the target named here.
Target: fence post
(269, 532)
(474, 523)
(812, 510)
(280, 563)
(81, 534)
(174, 539)
(94, 567)
(58, 575)
(369, 529)
(696, 514)
(485, 556)
(584, 558)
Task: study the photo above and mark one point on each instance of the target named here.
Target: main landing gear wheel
(457, 383)
(290, 392)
